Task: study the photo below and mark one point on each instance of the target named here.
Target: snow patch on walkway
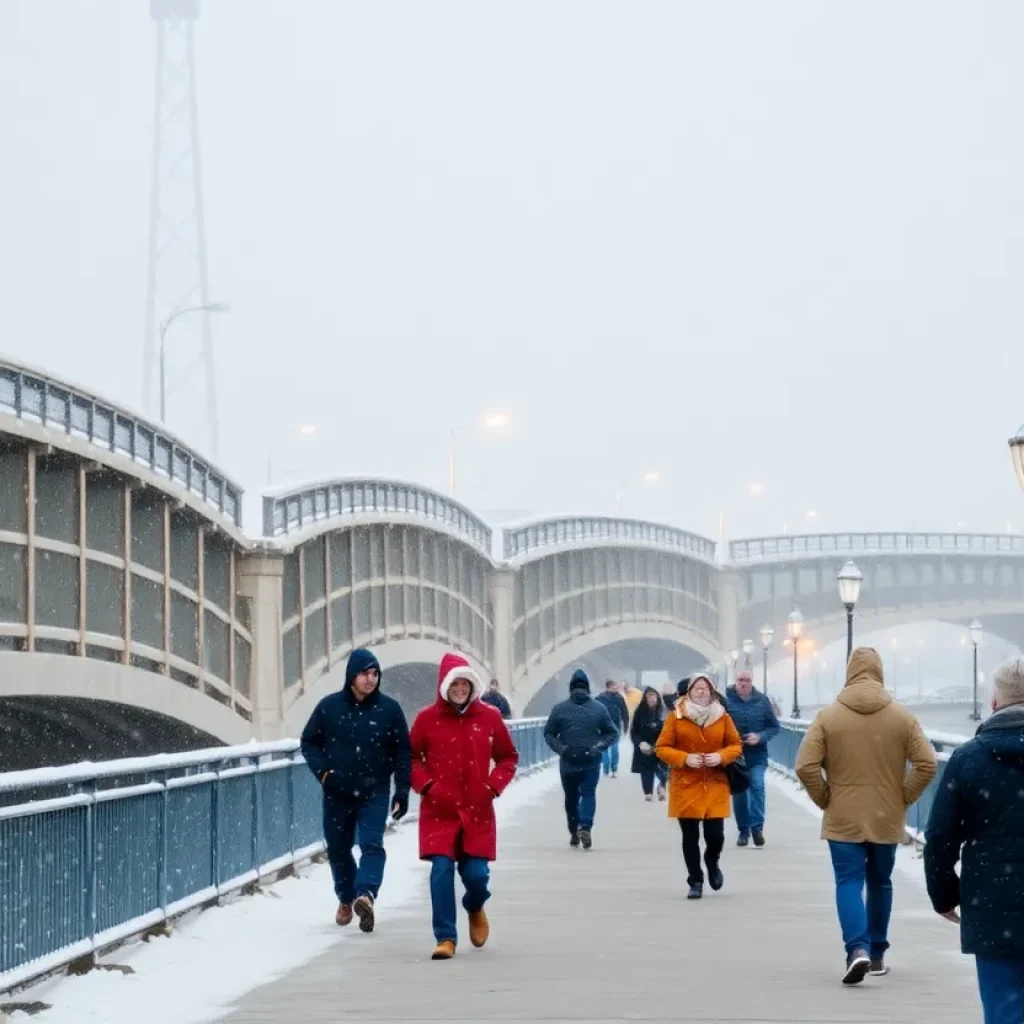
(215, 956)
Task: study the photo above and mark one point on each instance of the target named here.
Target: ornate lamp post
(767, 635)
(975, 629)
(748, 650)
(795, 626)
(849, 579)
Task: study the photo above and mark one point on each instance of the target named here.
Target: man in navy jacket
(579, 730)
(979, 812)
(618, 711)
(354, 742)
(755, 721)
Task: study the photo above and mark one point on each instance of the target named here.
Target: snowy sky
(770, 241)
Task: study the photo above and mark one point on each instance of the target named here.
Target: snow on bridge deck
(608, 936)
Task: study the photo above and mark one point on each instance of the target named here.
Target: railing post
(257, 816)
(162, 847)
(89, 893)
(215, 829)
(291, 805)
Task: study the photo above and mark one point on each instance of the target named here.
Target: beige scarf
(701, 717)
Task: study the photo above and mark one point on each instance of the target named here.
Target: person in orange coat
(697, 741)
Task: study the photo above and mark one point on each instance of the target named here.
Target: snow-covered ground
(908, 858)
(216, 956)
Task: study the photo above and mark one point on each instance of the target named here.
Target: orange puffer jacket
(698, 792)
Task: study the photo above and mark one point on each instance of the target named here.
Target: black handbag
(738, 774)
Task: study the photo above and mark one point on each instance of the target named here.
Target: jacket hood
(642, 709)
(1002, 735)
(454, 666)
(579, 681)
(359, 661)
(864, 691)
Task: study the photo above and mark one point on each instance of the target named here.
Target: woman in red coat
(462, 758)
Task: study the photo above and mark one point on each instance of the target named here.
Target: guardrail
(549, 533)
(767, 549)
(783, 747)
(92, 866)
(336, 499)
(33, 396)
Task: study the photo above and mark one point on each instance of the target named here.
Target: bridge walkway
(608, 936)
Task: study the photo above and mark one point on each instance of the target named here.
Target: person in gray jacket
(579, 730)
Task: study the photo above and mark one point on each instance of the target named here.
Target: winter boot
(661, 792)
(574, 839)
(758, 837)
(696, 891)
(715, 877)
(444, 950)
(742, 840)
(344, 915)
(479, 928)
(363, 909)
(858, 963)
(649, 798)
(585, 838)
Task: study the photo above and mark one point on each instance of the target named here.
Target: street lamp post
(652, 476)
(795, 625)
(849, 579)
(491, 421)
(767, 635)
(975, 629)
(748, 650)
(306, 430)
(209, 307)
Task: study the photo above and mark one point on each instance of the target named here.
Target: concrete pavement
(608, 936)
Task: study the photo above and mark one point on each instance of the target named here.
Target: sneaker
(715, 878)
(344, 915)
(443, 950)
(574, 839)
(858, 963)
(585, 839)
(878, 969)
(363, 909)
(696, 891)
(479, 928)
(742, 840)
(661, 792)
(758, 837)
(649, 798)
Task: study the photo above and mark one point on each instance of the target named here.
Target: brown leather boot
(443, 950)
(363, 908)
(344, 914)
(479, 928)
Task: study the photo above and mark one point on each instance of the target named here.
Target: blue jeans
(610, 758)
(865, 925)
(1001, 985)
(580, 787)
(475, 873)
(749, 805)
(343, 819)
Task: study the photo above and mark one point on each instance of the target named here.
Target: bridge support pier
(260, 581)
(730, 593)
(502, 581)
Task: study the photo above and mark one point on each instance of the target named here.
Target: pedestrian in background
(497, 699)
(853, 764)
(755, 721)
(698, 741)
(644, 731)
(618, 711)
(979, 812)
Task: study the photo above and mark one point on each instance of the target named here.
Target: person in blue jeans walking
(755, 721)
(862, 743)
(978, 812)
(618, 711)
(579, 730)
(354, 741)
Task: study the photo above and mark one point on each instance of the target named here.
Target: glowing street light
(304, 430)
(486, 421)
(975, 629)
(748, 650)
(849, 579)
(650, 476)
(795, 626)
(767, 635)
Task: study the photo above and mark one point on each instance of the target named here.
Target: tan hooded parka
(862, 742)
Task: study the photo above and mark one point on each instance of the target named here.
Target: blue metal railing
(783, 748)
(88, 868)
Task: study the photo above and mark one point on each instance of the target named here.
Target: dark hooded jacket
(646, 728)
(979, 810)
(616, 706)
(579, 729)
(753, 714)
(363, 743)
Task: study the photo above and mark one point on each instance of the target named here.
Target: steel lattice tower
(177, 276)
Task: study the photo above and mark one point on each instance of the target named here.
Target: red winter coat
(452, 758)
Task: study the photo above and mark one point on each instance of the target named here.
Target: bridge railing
(811, 545)
(782, 751)
(296, 509)
(37, 398)
(89, 866)
(551, 533)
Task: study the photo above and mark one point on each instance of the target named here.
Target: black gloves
(400, 806)
(332, 784)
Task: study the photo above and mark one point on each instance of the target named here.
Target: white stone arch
(530, 678)
(390, 654)
(25, 674)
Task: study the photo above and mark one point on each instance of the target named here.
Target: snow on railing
(814, 545)
(83, 867)
(602, 530)
(35, 397)
(291, 510)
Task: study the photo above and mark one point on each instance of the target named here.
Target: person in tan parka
(853, 764)
(698, 741)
